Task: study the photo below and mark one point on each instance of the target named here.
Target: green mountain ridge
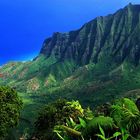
(97, 63)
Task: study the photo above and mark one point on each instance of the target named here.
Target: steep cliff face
(117, 35)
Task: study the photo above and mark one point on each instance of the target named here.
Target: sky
(25, 24)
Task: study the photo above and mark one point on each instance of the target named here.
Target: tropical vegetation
(64, 120)
(10, 106)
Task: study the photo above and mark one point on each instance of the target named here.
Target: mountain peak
(133, 7)
(116, 35)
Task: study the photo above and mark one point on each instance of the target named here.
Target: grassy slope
(102, 86)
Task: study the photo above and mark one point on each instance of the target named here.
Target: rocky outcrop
(116, 35)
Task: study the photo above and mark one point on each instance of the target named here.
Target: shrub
(10, 106)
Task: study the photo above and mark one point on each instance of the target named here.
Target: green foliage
(54, 114)
(67, 120)
(125, 134)
(104, 122)
(92, 128)
(71, 130)
(103, 110)
(88, 114)
(126, 115)
(102, 135)
(65, 132)
(10, 106)
(76, 105)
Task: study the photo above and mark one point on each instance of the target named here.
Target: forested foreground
(68, 120)
(10, 106)
(64, 120)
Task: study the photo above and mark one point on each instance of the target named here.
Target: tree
(10, 106)
(56, 113)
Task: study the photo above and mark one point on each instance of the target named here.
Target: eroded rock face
(117, 35)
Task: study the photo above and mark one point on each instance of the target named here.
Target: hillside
(98, 62)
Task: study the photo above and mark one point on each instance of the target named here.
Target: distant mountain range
(97, 63)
